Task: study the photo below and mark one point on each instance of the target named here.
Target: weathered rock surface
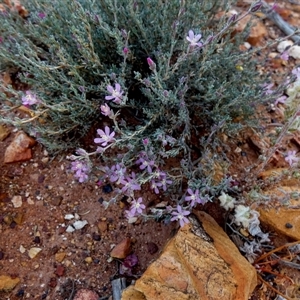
(284, 219)
(19, 149)
(192, 267)
(4, 132)
(7, 283)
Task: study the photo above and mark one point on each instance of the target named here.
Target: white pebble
(17, 201)
(294, 52)
(79, 224)
(70, 229)
(283, 45)
(69, 217)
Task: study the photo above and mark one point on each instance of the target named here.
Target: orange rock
(7, 283)
(16, 5)
(4, 132)
(132, 294)
(285, 219)
(102, 226)
(19, 149)
(191, 267)
(243, 271)
(122, 250)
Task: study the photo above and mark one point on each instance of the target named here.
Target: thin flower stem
(282, 135)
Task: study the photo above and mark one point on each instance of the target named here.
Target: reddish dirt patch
(49, 192)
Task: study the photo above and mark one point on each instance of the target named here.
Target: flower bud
(232, 19)
(125, 50)
(256, 6)
(151, 64)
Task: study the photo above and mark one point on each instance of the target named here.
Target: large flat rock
(196, 266)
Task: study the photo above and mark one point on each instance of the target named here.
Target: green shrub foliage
(68, 52)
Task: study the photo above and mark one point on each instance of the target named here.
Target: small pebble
(37, 240)
(88, 260)
(107, 189)
(56, 201)
(13, 225)
(53, 282)
(152, 248)
(45, 160)
(20, 293)
(288, 225)
(41, 178)
(17, 201)
(96, 236)
(60, 271)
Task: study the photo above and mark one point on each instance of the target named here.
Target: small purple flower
(296, 72)
(41, 15)
(267, 88)
(105, 110)
(194, 39)
(151, 64)
(291, 158)
(280, 100)
(116, 93)
(145, 163)
(193, 198)
(82, 177)
(154, 186)
(158, 174)
(117, 173)
(285, 55)
(137, 206)
(128, 214)
(81, 168)
(105, 137)
(29, 99)
(130, 184)
(145, 141)
(163, 183)
(180, 215)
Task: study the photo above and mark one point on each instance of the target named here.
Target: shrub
(169, 82)
(68, 53)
